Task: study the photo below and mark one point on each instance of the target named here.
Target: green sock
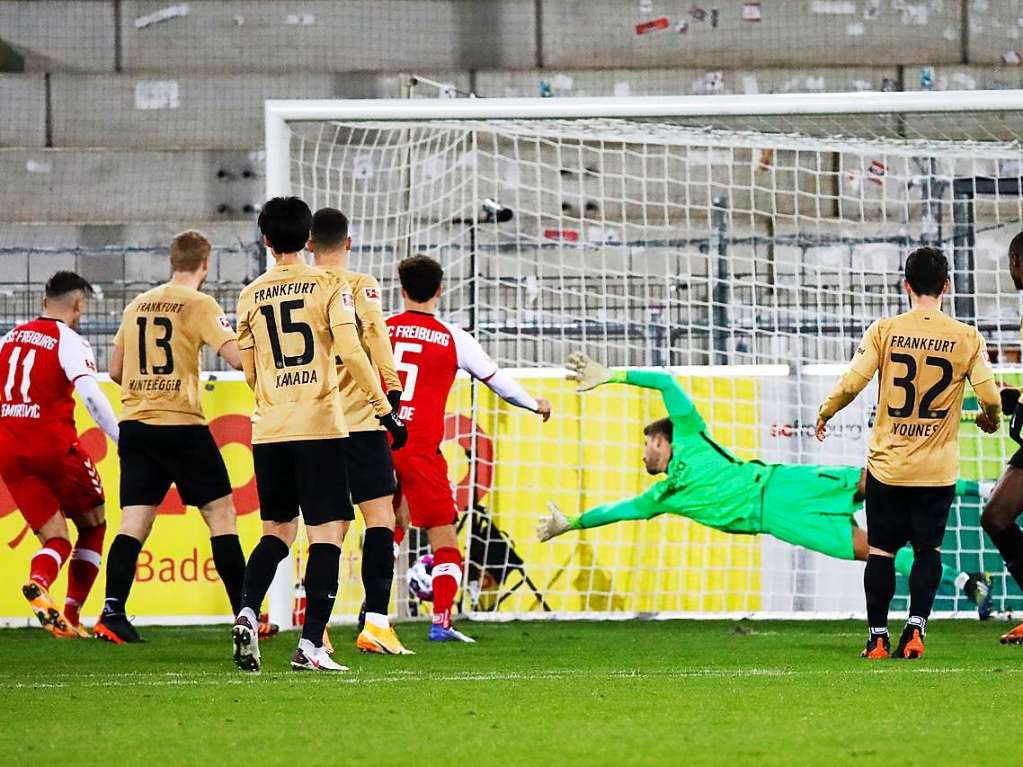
(967, 488)
(904, 563)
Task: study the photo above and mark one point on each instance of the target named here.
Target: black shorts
(153, 457)
(901, 514)
(369, 464)
(1017, 459)
(307, 475)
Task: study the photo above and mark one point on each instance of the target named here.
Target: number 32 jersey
(428, 353)
(162, 334)
(39, 364)
(288, 316)
(923, 359)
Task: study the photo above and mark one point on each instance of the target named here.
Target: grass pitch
(551, 694)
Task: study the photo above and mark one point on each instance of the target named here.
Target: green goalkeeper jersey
(704, 482)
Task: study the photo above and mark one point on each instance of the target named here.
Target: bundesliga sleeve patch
(347, 301)
(225, 323)
(372, 294)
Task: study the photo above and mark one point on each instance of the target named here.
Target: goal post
(742, 242)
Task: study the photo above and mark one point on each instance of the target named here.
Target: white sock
(248, 613)
(961, 580)
(377, 620)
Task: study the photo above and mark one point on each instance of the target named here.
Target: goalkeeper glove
(586, 372)
(394, 397)
(397, 429)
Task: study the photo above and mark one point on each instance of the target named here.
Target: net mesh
(748, 255)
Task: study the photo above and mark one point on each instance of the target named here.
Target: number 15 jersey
(289, 316)
(923, 359)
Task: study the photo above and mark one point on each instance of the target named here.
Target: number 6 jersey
(162, 334)
(923, 359)
(289, 316)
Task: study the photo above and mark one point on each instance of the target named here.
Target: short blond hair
(189, 250)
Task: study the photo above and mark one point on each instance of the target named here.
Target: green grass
(552, 694)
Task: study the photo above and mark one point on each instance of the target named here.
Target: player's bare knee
(92, 518)
(220, 516)
(378, 512)
(328, 532)
(137, 521)
(997, 516)
(286, 531)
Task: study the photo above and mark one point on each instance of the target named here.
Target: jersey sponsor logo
(225, 323)
(372, 294)
(348, 301)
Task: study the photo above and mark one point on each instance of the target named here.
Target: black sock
(121, 561)
(378, 568)
(321, 580)
(260, 570)
(924, 579)
(230, 563)
(1010, 544)
(879, 588)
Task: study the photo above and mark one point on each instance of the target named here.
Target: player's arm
(117, 355)
(473, 360)
(79, 366)
(347, 346)
(376, 338)
(246, 343)
(216, 331)
(590, 375)
(641, 507)
(860, 372)
(982, 378)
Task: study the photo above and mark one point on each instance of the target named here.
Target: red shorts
(48, 482)
(423, 482)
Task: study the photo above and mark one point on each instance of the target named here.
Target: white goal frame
(279, 113)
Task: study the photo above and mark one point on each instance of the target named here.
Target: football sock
(447, 574)
(1010, 544)
(121, 561)
(83, 569)
(229, 560)
(260, 570)
(46, 562)
(321, 582)
(904, 566)
(923, 583)
(967, 488)
(879, 588)
(378, 569)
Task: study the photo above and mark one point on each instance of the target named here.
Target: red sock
(83, 569)
(447, 576)
(47, 561)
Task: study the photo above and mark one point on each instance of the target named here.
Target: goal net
(745, 244)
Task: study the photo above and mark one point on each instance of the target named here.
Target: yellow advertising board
(589, 453)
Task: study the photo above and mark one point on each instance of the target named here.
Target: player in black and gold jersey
(293, 321)
(923, 359)
(164, 436)
(367, 452)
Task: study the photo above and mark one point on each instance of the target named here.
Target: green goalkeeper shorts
(812, 507)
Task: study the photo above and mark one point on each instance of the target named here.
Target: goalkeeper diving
(805, 505)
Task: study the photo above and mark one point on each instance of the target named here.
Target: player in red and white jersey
(428, 353)
(46, 470)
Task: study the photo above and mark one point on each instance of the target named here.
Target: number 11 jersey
(288, 316)
(162, 334)
(923, 359)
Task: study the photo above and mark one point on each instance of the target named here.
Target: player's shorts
(813, 507)
(50, 481)
(1016, 461)
(307, 475)
(901, 514)
(153, 457)
(369, 464)
(423, 483)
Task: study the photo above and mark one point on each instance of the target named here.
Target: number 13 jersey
(288, 316)
(161, 335)
(923, 359)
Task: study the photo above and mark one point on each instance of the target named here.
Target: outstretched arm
(592, 374)
(861, 370)
(476, 362)
(641, 507)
